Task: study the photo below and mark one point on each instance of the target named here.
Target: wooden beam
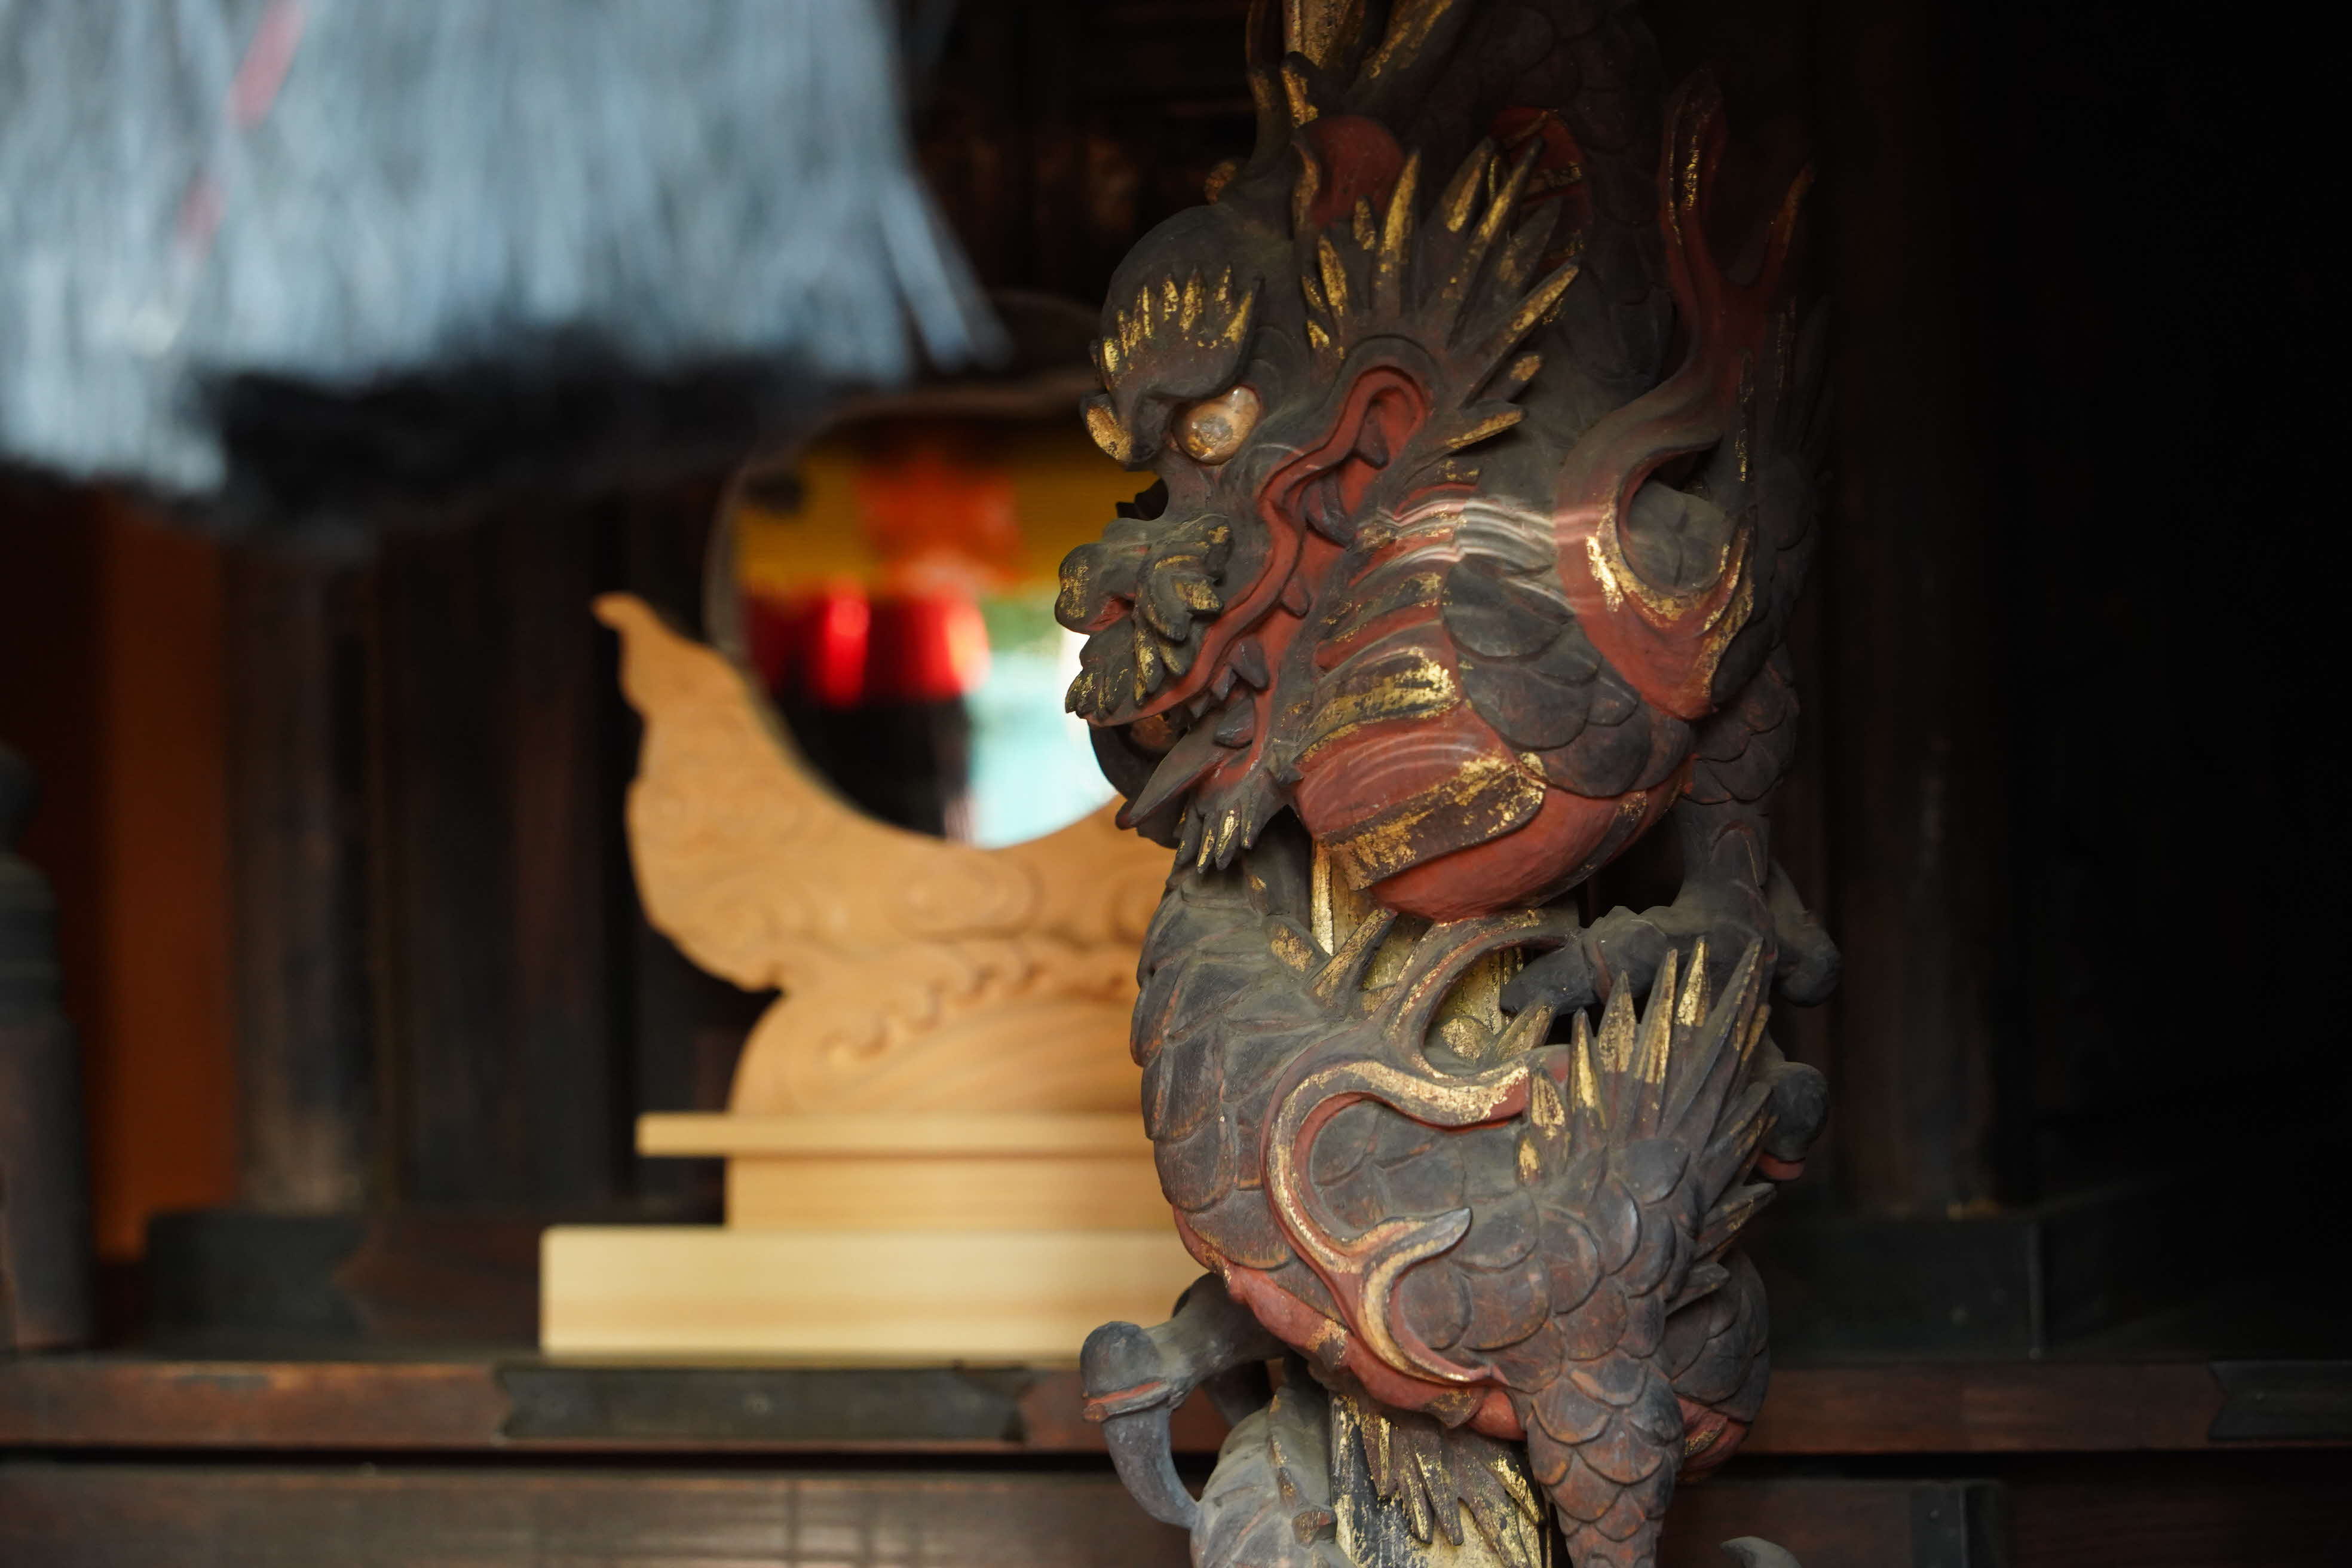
(136, 1402)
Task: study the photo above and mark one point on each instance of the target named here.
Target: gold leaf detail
(1615, 1045)
(1108, 433)
(1335, 278)
(1544, 1108)
(1691, 1008)
(1294, 87)
(1658, 1024)
(1396, 236)
(1493, 425)
(1539, 305)
(1461, 190)
(1410, 23)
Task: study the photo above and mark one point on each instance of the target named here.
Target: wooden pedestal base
(908, 1237)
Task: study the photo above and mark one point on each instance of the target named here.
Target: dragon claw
(1134, 1378)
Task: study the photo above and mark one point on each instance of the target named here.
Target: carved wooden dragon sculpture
(1486, 486)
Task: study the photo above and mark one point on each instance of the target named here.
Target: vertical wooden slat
(560, 1097)
(297, 710)
(447, 940)
(498, 960)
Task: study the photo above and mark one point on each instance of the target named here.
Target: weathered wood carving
(1486, 476)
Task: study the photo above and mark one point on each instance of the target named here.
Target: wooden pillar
(1907, 687)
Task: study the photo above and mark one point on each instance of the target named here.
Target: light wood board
(902, 1295)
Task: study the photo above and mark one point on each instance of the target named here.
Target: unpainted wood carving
(1486, 466)
(918, 974)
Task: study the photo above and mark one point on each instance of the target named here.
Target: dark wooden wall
(2070, 621)
(447, 993)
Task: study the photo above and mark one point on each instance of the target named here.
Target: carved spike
(1493, 425)
(1691, 1007)
(1396, 239)
(1147, 666)
(1725, 1220)
(1188, 845)
(1335, 278)
(1304, 191)
(1459, 282)
(1615, 1044)
(1172, 301)
(1526, 1031)
(1319, 339)
(1655, 1049)
(1225, 287)
(1360, 226)
(1237, 329)
(1545, 1111)
(1539, 305)
(1348, 963)
(1461, 192)
(1499, 211)
(1584, 1076)
(1409, 24)
(1194, 297)
(1312, 292)
(1519, 259)
(1718, 1059)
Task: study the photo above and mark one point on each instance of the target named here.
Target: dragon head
(1301, 362)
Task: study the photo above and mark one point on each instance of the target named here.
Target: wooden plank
(1004, 1132)
(101, 1516)
(2001, 1407)
(849, 1295)
(2208, 1510)
(105, 1516)
(1969, 1408)
(108, 1402)
(980, 1191)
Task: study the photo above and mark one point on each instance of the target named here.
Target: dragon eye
(1214, 429)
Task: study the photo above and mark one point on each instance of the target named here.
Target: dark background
(2068, 661)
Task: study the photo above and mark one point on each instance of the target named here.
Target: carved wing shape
(916, 974)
